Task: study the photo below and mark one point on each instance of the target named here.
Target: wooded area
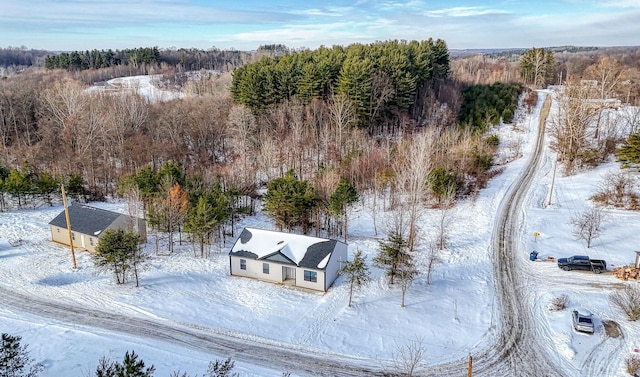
(397, 120)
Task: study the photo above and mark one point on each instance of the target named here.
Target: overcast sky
(246, 24)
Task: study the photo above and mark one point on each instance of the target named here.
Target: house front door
(289, 273)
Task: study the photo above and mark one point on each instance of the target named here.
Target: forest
(400, 121)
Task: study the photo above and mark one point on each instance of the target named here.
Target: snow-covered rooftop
(263, 243)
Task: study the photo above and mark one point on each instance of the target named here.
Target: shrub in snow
(618, 189)
(627, 300)
(559, 303)
(633, 364)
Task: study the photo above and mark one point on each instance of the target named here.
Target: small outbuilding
(298, 260)
(89, 223)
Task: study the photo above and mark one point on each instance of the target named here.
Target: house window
(73, 236)
(243, 264)
(58, 230)
(91, 241)
(265, 268)
(311, 276)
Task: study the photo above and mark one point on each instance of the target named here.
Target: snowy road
(520, 349)
(252, 351)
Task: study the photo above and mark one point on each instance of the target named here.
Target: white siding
(254, 269)
(300, 282)
(338, 256)
(324, 280)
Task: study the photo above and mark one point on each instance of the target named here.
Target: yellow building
(89, 223)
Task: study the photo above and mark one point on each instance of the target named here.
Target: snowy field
(143, 85)
(453, 316)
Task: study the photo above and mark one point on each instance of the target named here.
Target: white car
(582, 320)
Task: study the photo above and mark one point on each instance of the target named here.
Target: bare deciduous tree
(570, 128)
(608, 73)
(406, 273)
(243, 126)
(412, 169)
(586, 226)
(342, 117)
(408, 359)
(627, 300)
(445, 217)
(432, 260)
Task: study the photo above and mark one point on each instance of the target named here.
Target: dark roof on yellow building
(86, 219)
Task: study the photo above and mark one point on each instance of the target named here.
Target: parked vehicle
(582, 320)
(582, 262)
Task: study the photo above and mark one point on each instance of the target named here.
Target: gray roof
(86, 219)
(313, 255)
(317, 252)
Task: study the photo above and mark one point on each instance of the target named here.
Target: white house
(302, 261)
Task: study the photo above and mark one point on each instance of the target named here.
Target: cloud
(75, 13)
(621, 4)
(463, 12)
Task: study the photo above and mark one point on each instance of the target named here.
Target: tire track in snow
(337, 297)
(287, 357)
(600, 361)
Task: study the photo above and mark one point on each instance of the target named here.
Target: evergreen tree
(46, 185)
(355, 82)
(131, 366)
(173, 170)
(391, 254)
(356, 271)
(290, 201)
(628, 154)
(117, 252)
(221, 369)
(17, 185)
(442, 182)
(148, 182)
(396, 258)
(211, 210)
(75, 187)
(15, 360)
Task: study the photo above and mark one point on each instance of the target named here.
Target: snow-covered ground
(452, 317)
(143, 85)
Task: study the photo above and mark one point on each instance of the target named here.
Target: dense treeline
(28, 186)
(382, 81)
(182, 60)
(20, 56)
(486, 105)
(78, 60)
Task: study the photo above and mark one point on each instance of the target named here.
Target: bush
(618, 190)
(507, 115)
(627, 300)
(442, 182)
(559, 303)
(633, 364)
(492, 141)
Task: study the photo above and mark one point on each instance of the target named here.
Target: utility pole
(553, 179)
(66, 215)
(470, 369)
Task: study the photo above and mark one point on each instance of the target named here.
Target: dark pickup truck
(582, 262)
